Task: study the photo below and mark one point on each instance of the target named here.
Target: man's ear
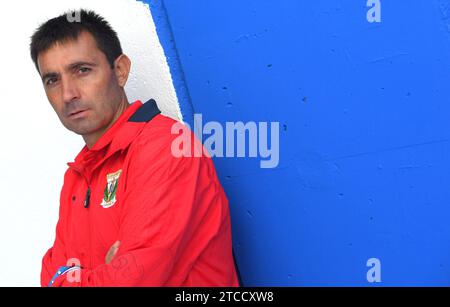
(122, 66)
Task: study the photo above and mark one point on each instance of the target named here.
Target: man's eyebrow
(79, 64)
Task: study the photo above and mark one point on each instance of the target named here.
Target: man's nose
(70, 90)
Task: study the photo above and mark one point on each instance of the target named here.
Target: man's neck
(91, 139)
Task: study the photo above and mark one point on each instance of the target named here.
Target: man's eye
(84, 70)
(50, 81)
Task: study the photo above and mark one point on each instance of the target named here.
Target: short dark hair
(62, 29)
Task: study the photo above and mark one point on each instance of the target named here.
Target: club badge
(109, 195)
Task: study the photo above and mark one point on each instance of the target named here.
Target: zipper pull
(87, 198)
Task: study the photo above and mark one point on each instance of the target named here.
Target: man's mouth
(77, 113)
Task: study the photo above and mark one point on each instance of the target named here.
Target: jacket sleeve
(160, 212)
(55, 257)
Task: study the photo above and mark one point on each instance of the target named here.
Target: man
(131, 212)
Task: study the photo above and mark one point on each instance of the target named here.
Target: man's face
(80, 85)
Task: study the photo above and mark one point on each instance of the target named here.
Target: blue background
(364, 134)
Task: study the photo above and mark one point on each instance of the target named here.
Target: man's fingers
(116, 245)
(112, 252)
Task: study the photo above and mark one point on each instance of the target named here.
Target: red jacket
(170, 214)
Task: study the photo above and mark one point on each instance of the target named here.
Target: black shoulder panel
(145, 113)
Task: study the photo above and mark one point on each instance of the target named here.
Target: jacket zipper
(87, 201)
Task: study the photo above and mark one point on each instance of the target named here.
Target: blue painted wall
(364, 113)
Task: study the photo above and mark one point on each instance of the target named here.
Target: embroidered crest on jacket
(109, 195)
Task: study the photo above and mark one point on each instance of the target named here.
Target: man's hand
(112, 252)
